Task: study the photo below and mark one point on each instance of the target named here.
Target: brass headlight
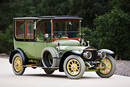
(87, 55)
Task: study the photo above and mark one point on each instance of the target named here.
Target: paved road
(37, 78)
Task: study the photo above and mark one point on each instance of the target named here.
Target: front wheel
(74, 67)
(109, 67)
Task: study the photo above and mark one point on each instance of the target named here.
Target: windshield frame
(79, 26)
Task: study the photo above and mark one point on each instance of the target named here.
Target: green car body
(34, 49)
(54, 42)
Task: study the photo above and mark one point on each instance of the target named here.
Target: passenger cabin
(53, 27)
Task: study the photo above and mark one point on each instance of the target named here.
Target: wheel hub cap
(17, 64)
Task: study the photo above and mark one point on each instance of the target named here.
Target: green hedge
(112, 32)
(6, 40)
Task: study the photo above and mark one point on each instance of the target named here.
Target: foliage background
(105, 23)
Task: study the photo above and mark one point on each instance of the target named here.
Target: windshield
(66, 29)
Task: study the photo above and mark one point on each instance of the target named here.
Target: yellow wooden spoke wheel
(109, 67)
(17, 64)
(73, 67)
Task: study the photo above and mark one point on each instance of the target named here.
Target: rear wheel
(109, 67)
(49, 71)
(17, 64)
(74, 67)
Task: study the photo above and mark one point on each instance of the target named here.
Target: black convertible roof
(50, 17)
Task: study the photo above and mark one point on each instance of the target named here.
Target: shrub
(113, 32)
(6, 42)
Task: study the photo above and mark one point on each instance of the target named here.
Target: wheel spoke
(73, 66)
(108, 66)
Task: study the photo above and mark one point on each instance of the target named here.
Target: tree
(88, 9)
(6, 40)
(113, 32)
(121, 4)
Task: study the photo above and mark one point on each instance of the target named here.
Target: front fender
(75, 52)
(65, 55)
(106, 51)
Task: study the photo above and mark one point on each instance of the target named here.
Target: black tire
(49, 71)
(17, 64)
(70, 69)
(112, 69)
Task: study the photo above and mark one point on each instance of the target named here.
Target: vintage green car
(54, 42)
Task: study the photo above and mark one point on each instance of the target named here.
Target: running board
(34, 66)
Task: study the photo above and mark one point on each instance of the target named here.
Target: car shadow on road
(45, 75)
(57, 76)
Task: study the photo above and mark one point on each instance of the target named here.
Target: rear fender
(18, 50)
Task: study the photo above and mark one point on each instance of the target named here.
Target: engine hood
(67, 42)
(67, 45)
(76, 48)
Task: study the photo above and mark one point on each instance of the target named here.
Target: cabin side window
(29, 30)
(20, 29)
(24, 29)
(43, 30)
